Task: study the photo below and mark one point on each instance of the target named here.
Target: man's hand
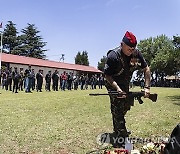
(147, 92)
(115, 86)
(122, 94)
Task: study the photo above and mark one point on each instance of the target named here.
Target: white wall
(45, 69)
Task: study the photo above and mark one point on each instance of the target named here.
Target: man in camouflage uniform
(120, 64)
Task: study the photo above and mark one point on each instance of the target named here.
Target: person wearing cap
(118, 70)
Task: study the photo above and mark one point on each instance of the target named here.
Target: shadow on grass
(175, 99)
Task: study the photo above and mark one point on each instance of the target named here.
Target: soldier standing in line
(21, 79)
(69, 81)
(39, 78)
(100, 81)
(15, 77)
(92, 81)
(95, 81)
(86, 81)
(9, 79)
(55, 78)
(82, 81)
(48, 81)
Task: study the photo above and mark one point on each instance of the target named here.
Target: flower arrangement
(152, 148)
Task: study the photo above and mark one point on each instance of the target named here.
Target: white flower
(145, 147)
(150, 146)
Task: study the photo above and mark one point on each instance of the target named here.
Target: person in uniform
(69, 81)
(15, 77)
(55, 79)
(39, 78)
(9, 79)
(119, 66)
(21, 79)
(48, 81)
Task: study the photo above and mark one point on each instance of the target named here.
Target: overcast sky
(69, 26)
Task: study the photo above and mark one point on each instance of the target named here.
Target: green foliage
(101, 64)
(29, 43)
(10, 38)
(50, 122)
(176, 42)
(82, 58)
(146, 47)
(159, 53)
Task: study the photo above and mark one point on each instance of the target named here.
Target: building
(9, 60)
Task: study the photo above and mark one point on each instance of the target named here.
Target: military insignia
(135, 62)
(106, 66)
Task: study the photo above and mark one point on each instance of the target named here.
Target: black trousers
(15, 85)
(39, 85)
(55, 85)
(48, 84)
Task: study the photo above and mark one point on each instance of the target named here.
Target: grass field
(69, 122)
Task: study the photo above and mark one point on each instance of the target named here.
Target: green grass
(69, 122)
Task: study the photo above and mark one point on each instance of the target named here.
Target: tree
(158, 52)
(101, 64)
(162, 63)
(31, 44)
(176, 42)
(10, 38)
(82, 59)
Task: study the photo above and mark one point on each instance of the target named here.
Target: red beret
(129, 39)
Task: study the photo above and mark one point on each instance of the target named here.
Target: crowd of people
(174, 83)
(19, 80)
(28, 81)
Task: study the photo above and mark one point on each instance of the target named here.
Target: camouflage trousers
(119, 108)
